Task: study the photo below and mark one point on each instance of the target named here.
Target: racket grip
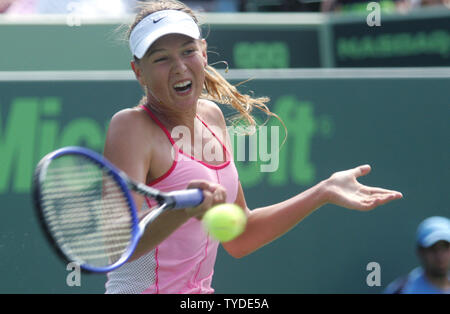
(187, 198)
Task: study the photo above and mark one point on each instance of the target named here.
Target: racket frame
(125, 184)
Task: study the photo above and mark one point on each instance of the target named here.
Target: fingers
(380, 191)
(199, 184)
(373, 202)
(213, 194)
(217, 191)
(362, 170)
(371, 198)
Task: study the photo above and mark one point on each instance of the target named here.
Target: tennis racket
(87, 211)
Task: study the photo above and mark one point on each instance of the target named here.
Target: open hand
(344, 190)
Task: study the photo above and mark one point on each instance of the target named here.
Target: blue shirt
(414, 283)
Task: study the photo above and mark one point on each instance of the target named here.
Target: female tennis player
(165, 142)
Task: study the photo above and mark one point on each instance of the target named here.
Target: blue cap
(432, 230)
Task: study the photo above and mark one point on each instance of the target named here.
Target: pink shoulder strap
(158, 122)
(154, 118)
(214, 134)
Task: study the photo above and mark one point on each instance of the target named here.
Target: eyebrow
(153, 51)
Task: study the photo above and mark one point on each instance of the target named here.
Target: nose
(179, 67)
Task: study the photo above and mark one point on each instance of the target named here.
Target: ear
(137, 72)
(204, 47)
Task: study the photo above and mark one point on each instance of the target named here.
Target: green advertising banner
(397, 123)
(264, 46)
(414, 40)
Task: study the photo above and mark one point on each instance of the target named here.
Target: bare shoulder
(128, 118)
(129, 142)
(132, 123)
(211, 112)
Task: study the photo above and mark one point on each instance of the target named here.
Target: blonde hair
(216, 87)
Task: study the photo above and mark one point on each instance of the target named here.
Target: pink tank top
(184, 262)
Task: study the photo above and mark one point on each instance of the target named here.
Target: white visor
(158, 24)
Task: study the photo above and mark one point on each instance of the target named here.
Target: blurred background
(353, 83)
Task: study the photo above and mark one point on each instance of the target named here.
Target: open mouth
(183, 87)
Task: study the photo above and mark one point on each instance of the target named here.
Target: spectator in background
(21, 7)
(402, 6)
(4, 5)
(115, 8)
(433, 250)
(213, 5)
(87, 8)
(357, 5)
(227, 5)
(426, 3)
(280, 5)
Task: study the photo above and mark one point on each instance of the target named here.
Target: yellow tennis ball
(225, 221)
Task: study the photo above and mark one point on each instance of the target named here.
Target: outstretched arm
(266, 224)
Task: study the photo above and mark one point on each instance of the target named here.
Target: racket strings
(86, 210)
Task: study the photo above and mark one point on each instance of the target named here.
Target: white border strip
(241, 74)
(60, 19)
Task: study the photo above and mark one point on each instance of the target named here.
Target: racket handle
(187, 198)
